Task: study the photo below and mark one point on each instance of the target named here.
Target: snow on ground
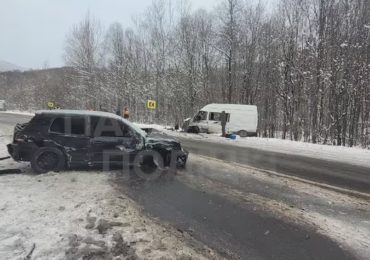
(18, 112)
(355, 155)
(79, 215)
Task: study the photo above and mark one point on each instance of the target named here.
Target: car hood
(156, 139)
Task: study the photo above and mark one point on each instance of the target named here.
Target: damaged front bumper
(182, 158)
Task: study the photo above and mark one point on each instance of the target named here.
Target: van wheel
(194, 130)
(242, 133)
(48, 159)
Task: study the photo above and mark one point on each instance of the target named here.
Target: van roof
(220, 107)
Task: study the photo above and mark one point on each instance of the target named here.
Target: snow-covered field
(355, 155)
(79, 215)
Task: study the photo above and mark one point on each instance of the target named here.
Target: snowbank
(18, 112)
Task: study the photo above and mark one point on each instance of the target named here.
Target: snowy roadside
(355, 155)
(75, 215)
(18, 112)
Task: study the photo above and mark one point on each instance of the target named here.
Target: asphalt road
(337, 174)
(237, 229)
(13, 119)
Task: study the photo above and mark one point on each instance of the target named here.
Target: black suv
(58, 139)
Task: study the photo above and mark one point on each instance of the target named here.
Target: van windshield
(202, 115)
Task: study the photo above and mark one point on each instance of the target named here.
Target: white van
(241, 119)
(2, 105)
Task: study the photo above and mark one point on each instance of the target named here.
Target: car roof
(63, 112)
(66, 112)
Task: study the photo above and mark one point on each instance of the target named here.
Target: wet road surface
(13, 119)
(237, 230)
(333, 173)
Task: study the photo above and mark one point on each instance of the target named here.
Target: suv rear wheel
(48, 159)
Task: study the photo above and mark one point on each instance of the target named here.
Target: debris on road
(10, 171)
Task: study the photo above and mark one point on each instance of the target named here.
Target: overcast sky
(33, 31)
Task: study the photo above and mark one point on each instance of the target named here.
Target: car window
(108, 127)
(215, 116)
(69, 125)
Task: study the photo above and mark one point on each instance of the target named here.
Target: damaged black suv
(55, 140)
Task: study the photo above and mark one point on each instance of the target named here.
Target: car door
(70, 133)
(112, 142)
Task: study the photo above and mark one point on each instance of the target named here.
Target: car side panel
(75, 148)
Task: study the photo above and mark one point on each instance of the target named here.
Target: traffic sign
(50, 104)
(151, 104)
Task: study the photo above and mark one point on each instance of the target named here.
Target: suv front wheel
(48, 159)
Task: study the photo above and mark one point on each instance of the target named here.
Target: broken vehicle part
(58, 139)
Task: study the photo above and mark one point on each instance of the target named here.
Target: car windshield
(202, 115)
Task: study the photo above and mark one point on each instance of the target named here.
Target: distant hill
(31, 89)
(7, 66)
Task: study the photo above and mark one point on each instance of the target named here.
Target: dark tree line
(305, 64)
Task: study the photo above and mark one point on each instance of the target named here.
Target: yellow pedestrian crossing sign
(151, 104)
(50, 104)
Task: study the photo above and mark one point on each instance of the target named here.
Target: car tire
(48, 159)
(242, 133)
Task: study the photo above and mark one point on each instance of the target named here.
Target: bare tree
(306, 65)
(83, 52)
